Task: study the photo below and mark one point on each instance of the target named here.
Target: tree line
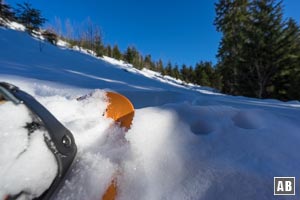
(30, 17)
(258, 55)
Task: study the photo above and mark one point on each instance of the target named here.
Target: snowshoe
(121, 110)
(59, 140)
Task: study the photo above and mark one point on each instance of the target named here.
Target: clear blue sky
(181, 31)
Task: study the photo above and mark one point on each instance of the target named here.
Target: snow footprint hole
(249, 119)
(201, 127)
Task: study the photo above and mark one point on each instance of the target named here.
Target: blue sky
(181, 31)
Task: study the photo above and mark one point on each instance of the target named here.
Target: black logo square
(284, 185)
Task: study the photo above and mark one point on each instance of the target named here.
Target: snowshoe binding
(59, 139)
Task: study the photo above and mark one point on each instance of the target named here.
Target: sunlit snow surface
(26, 163)
(186, 141)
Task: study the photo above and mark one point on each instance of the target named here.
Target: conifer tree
(160, 66)
(231, 16)
(169, 69)
(175, 72)
(148, 62)
(286, 83)
(265, 51)
(191, 75)
(6, 11)
(216, 79)
(184, 73)
(136, 62)
(256, 48)
(116, 52)
(128, 55)
(98, 46)
(140, 64)
(29, 16)
(204, 73)
(109, 51)
(132, 56)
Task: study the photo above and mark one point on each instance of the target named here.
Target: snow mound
(13, 25)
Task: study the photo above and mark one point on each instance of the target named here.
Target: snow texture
(26, 163)
(186, 141)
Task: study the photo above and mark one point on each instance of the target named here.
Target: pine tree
(98, 44)
(6, 11)
(140, 64)
(216, 79)
(286, 83)
(136, 62)
(128, 55)
(160, 66)
(176, 73)
(266, 49)
(108, 51)
(204, 73)
(30, 17)
(255, 51)
(169, 69)
(184, 73)
(116, 52)
(231, 18)
(148, 64)
(132, 56)
(191, 75)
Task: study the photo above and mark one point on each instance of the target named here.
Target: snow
(62, 43)
(186, 141)
(17, 148)
(13, 25)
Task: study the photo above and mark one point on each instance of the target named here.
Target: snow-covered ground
(186, 141)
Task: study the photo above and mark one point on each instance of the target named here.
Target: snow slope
(186, 142)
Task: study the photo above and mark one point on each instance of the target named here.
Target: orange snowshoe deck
(121, 111)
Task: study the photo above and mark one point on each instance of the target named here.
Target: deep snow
(186, 141)
(17, 147)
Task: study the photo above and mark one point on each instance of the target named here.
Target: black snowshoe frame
(60, 140)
